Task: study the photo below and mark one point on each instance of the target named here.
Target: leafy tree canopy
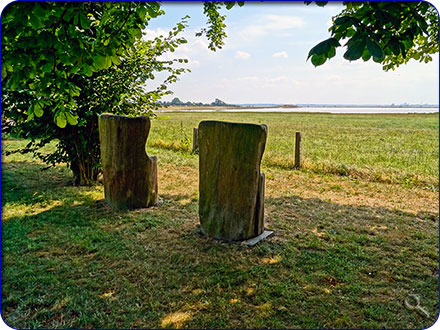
(218, 102)
(46, 45)
(121, 89)
(388, 32)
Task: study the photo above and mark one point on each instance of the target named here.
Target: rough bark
(84, 173)
(130, 176)
(231, 204)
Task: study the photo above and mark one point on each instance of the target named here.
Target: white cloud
(248, 78)
(242, 55)
(282, 54)
(267, 24)
(267, 82)
(278, 79)
(195, 50)
(151, 34)
(278, 22)
(195, 45)
(194, 64)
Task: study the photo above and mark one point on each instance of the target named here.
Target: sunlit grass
(385, 148)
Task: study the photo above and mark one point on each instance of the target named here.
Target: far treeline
(176, 101)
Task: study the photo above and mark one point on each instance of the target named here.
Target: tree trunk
(130, 176)
(84, 173)
(81, 144)
(231, 204)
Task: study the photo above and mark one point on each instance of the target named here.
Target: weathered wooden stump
(130, 176)
(231, 204)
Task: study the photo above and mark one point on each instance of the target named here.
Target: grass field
(385, 148)
(350, 246)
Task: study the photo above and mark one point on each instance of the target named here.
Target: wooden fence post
(195, 139)
(298, 150)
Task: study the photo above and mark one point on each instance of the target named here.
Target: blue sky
(264, 60)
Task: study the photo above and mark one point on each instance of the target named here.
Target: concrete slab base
(259, 238)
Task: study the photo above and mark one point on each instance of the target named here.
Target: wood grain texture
(231, 204)
(130, 176)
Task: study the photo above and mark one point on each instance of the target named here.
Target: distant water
(320, 109)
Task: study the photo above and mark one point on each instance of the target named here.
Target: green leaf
(377, 59)
(76, 19)
(75, 69)
(366, 55)
(38, 110)
(35, 21)
(322, 48)
(318, 60)
(321, 3)
(354, 51)
(332, 52)
(108, 62)
(71, 119)
(341, 20)
(85, 23)
(87, 70)
(100, 62)
(74, 90)
(403, 50)
(374, 49)
(137, 33)
(333, 42)
(47, 67)
(142, 11)
(350, 32)
(116, 60)
(394, 46)
(30, 117)
(229, 4)
(407, 43)
(61, 120)
(4, 72)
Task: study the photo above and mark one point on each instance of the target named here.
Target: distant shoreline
(222, 107)
(309, 109)
(288, 106)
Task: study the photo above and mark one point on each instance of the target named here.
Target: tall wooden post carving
(231, 204)
(130, 176)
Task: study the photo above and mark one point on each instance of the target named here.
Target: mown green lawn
(347, 250)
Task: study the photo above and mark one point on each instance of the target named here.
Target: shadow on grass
(29, 183)
(82, 264)
(328, 215)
